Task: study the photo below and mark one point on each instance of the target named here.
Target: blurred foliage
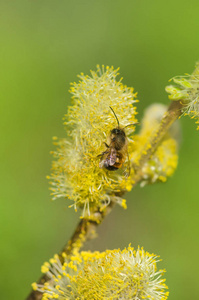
(44, 45)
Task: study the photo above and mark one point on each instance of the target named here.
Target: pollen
(76, 175)
(113, 274)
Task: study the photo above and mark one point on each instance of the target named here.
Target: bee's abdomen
(111, 168)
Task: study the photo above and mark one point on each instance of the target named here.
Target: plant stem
(173, 112)
(85, 230)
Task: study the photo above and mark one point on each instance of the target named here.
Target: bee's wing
(113, 156)
(101, 163)
(103, 156)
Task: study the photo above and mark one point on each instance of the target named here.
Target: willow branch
(86, 228)
(173, 112)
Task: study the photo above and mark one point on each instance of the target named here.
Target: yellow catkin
(76, 174)
(113, 274)
(163, 163)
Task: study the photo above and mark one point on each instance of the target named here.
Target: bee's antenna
(115, 116)
(131, 124)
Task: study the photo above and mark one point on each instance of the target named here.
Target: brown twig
(84, 231)
(171, 115)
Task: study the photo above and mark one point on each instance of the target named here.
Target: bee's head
(118, 132)
(118, 137)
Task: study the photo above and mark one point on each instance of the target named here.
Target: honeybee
(114, 157)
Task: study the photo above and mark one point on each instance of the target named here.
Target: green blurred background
(43, 46)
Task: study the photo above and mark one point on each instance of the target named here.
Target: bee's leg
(105, 152)
(129, 167)
(129, 163)
(106, 145)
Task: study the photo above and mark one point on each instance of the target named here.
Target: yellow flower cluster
(163, 162)
(187, 90)
(76, 174)
(113, 274)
